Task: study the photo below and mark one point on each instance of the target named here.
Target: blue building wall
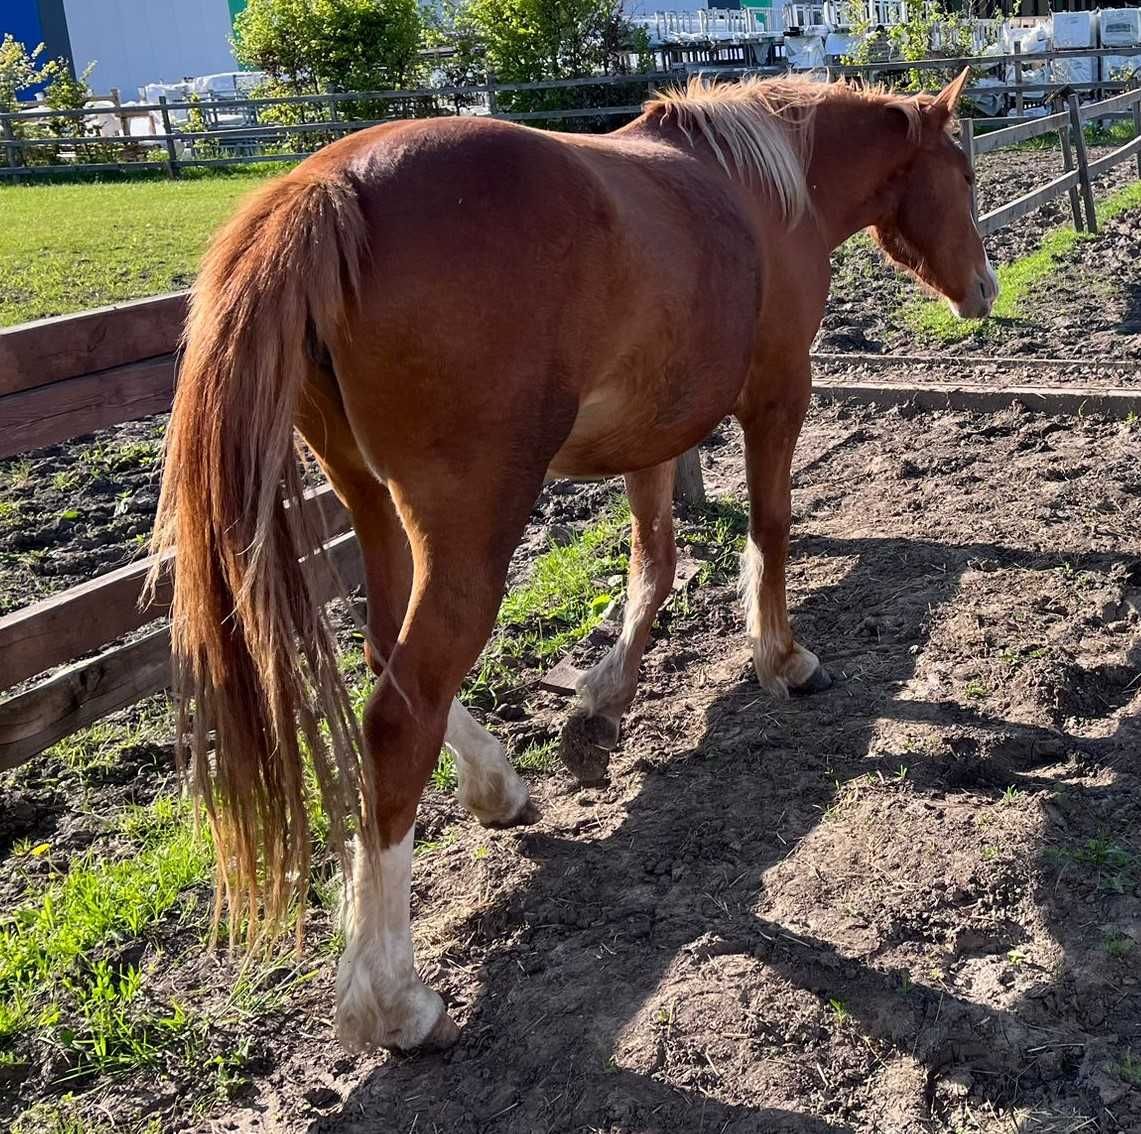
(33, 22)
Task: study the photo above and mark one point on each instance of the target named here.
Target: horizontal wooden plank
(1027, 203)
(1116, 157)
(73, 407)
(969, 361)
(88, 616)
(89, 690)
(34, 354)
(1107, 106)
(984, 143)
(986, 399)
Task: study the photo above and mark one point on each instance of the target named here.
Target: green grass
(64, 248)
(1118, 944)
(1129, 1069)
(566, 597)
(98, 902)
(1018, 281)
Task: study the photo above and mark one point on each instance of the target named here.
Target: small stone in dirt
(559, 535)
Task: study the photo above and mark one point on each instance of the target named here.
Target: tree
(321, 45)
(21, 68)
(529, 40)
(523, 41)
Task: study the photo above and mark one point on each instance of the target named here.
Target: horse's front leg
(605, 691)
(771, 411)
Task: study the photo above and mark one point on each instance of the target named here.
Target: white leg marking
(381, 1002)
(775, 669)
(489, 788)
(608, 685)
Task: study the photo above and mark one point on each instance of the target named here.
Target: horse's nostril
(982, 289)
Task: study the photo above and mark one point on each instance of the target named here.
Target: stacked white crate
(1070, 30)
(1033, 38)
(1120, 27)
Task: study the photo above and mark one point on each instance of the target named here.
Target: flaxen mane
(763, 127)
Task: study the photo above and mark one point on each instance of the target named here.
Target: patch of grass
(1118, 944)
(1129, 1069)
(44, 942)
(444, 775)
(716, 531)
(840, 1012)
(542, 757)
(569, 590)
(150, 722)
(1018, 281)
(976, 690)
(148, 239)
(9, 513)
(1109, 866)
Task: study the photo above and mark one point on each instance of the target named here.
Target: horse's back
(510, 266)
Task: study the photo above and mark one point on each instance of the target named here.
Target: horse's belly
(625, 425)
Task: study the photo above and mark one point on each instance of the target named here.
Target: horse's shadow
(571, 1028)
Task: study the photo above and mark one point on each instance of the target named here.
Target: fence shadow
(578, 953)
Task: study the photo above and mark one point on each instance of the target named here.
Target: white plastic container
(1120, 27)
(1075, 70)
(1073, 29)
(1120, 68)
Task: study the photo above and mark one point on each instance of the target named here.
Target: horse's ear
(946, 102)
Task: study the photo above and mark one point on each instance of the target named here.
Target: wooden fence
(169, 153)
(59, 379)
(1080, 173)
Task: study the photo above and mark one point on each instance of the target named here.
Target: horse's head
(930, 229)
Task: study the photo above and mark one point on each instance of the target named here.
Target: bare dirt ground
(910, 903)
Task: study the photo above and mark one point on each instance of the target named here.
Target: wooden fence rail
(165, 145)
(1080, 173)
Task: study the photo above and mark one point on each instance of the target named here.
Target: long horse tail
(252, 648)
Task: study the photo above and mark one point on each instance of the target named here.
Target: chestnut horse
(450, 311)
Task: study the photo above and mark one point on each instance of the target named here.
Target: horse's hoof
(524, 817)
(818, 680)
(585, 746)
(443, 1035)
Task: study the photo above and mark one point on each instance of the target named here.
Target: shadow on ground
(589, 1019)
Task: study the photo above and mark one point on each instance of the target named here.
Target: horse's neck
(858, 148)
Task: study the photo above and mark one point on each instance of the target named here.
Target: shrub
(523, 41)
(320, 45)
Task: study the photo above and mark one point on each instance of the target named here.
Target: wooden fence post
(171, 152)
(1019, 105)
(1068, 165)
(492, 101)
(11, 147)
(1083, 162)
(1137, 128)
(967, 141)
(124, 120)
(689, 487)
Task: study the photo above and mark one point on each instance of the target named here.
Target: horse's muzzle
(980, 296)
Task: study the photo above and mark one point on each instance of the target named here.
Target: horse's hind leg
(605, 691)
(380, 999)
(489, 788)
(771, 427)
